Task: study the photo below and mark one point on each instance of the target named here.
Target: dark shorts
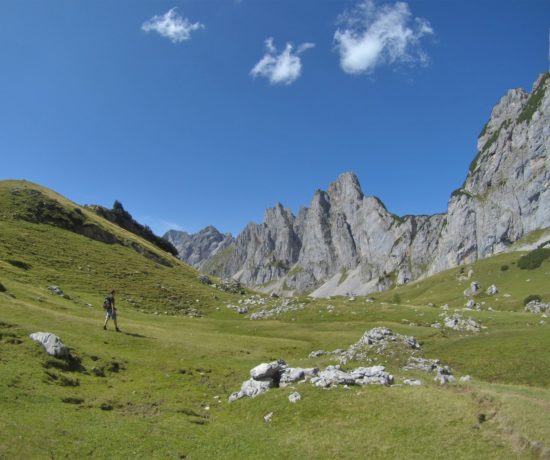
(110, 314)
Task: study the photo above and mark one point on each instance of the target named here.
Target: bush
(503, 268)
(532, 297)
(534, 259)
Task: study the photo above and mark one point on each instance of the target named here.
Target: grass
(534, 101)
(159, 389)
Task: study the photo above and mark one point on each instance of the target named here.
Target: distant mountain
(346, 242)
(196, 248)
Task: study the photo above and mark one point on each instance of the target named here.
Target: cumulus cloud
(283, 68)
(371, 36)
(172, 26)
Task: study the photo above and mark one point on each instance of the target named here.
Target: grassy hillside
(47, 240)
(159, 389)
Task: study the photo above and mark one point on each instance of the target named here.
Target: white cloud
(172, 26)
(281, 69)
(372, 35)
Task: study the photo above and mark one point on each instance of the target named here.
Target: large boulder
(52, 344)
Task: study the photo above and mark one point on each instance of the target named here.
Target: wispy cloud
(283, 68)
(371, 36)
(172, 26)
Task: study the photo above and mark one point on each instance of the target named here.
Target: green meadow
(160, 388)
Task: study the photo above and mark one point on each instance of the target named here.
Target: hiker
(110, 309)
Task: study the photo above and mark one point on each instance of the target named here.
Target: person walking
(110, 310)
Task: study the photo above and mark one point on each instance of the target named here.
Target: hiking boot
(104, 328)
(118, 330)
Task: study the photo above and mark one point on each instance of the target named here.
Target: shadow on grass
(134, 334)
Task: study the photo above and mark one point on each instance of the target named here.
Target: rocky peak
(196, 248)
(345, 188)
(278, 217)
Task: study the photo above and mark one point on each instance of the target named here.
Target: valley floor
(160, 388)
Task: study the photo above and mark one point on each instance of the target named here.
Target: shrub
(532, 297)
(533, 259)
(396, 299)
(503, 268)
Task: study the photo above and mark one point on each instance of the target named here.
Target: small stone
(412, 382)
(268, 417)
(294, 397)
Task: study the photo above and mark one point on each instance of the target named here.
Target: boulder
(268, 370)
(252, 388)
(492, 290)
(52, 344)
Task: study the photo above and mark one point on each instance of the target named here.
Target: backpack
(107, 305)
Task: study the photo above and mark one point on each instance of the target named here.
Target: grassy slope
(162, 374)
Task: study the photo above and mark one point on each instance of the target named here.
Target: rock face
(345, 242)
(52, 344)
(195, 249)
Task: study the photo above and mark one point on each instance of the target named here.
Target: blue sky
(196, 117)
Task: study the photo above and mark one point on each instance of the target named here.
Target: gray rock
(492, 290)
(52, 344)
(412, 382)
(56, 290)
(252, 388)
(294, 397)
(465, 378)
(458, 323)
(332, 376)
(444, 375)
(268, 370)
(296, 374)
(421, 364)
(537, 307)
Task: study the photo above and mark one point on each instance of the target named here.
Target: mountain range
(349, 243)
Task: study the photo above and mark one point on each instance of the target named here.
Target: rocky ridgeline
(196, 248)
(347, 242)
(277, 374)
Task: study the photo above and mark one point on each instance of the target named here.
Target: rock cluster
(443, 373)
(230, 285)
(269, 375)
(536, 306)
(278, 374)
(458, 323)
(51, 343)
(237, 308)
(377, 340)
(285, 306)
(333, 376)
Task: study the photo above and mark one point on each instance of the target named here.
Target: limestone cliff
(345, 242)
